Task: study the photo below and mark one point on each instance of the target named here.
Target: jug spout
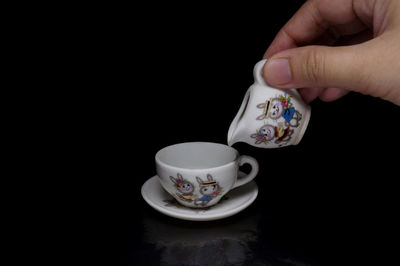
(235, 132)
(231, 135)
(269, 117)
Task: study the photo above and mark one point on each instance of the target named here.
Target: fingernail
(278, 71)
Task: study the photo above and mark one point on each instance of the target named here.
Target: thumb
(316, 66)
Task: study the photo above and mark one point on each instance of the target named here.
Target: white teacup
(199, 174)
(269, 117)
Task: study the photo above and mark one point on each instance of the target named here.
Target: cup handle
(254, 170)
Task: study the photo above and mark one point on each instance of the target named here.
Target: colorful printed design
(173, 203)
(184, 187)
(264, 134)
(268, 133)
(281, 106)
(209, 190)
(283, 134)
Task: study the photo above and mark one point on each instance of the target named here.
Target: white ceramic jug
(269, 117)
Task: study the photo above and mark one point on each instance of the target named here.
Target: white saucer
(233, 202)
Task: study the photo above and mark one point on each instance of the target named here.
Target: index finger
(313, 19)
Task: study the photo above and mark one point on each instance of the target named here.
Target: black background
(160, 75)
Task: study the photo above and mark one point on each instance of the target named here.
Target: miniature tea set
(232, 203)
(201, 181)
(269, 117)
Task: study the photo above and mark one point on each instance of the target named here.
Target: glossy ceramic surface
(269, 117)
(233, 202)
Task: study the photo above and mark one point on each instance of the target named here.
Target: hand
(368, 60)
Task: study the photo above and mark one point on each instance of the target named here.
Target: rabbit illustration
(265, 134)
(282, 134)
(280, 107)
(268, 133)
(185, 188)
(209, 189)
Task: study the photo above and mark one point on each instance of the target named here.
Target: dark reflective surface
(256, 236)
(218, 243)
(269, 232)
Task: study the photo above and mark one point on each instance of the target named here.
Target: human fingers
(325, 94)
(370, 68)
(310, 94)
(312, 66)
(332, 94)
(312, 20)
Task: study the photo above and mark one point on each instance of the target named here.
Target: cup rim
(164, 164)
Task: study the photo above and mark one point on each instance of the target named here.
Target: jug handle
(257, 72)
(258, 77)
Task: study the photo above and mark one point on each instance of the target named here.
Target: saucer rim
(199, 217)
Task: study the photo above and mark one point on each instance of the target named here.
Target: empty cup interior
(196, 155)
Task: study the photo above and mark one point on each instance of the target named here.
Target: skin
(333, 47)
